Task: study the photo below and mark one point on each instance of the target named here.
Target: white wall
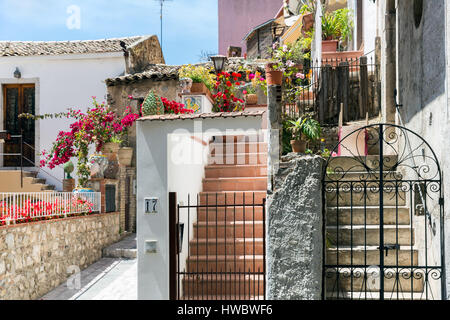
(370, 11)
(61, 82)
(153, 180)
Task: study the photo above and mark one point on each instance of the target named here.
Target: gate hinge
(441, 201)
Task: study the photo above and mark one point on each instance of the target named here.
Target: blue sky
(190, 26)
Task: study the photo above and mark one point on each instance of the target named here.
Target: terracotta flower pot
(273, 77)
(330, 45)
(125, 156)
(110, 148)
(298, 146)
(199, 88)
(251, 99)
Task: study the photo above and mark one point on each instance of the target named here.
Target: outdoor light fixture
(219, 62)
(17, 73)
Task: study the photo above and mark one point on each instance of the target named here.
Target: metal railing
(218, 247)
(23, 160)
(330, 82)
(18, 207)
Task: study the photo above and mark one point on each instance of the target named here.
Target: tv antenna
(161, 3)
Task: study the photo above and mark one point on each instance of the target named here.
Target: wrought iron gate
(218, 246)
(383, 217)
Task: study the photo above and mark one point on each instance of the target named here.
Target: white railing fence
(32, 206)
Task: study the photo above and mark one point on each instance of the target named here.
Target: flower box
(330, 45)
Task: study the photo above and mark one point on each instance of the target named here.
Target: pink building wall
(238, 17)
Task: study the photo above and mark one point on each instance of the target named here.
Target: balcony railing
(34, 206)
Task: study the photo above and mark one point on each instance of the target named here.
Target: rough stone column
(274, 131)
(294, 231)
(388, 62)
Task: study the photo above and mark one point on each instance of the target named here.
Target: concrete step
(224, 284)
(357, 283)
(32, 174)
(229, 246)
(239, 229)
(125, 248)
(237, 147)
(368, 216)
(48, 187)
(370, 236)
(235, 184)
(353, 176)
(230, 213)
(225, 263)
(238, 158)
(228, 171)
(247, 198)
(356, 197)
(358, 256)
(360, 164)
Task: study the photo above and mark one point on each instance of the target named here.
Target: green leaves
(337, 25)
(308, 127)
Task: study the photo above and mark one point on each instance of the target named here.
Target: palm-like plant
(306, 126)
(337, 25)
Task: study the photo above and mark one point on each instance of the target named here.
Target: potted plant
(225, 99)
(202, 78)
(274, 75)
(98, 125)
(304, 129)
(250, 90)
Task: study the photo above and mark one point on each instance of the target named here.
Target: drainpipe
(388, 63)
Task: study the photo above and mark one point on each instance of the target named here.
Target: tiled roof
(157, 72)
(46, 48)
(162, 72)
(166, 117)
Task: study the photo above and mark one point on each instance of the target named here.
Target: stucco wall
(37, 257)
(61, 82)
(237, 18)
(153, 181)
(294, 231)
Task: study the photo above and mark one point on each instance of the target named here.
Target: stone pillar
(294, 245)
(274, 127)
(68, 185)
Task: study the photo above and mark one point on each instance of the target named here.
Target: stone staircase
(10, 182)
(226, 258)
(353, 236)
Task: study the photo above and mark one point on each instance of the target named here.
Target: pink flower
(290, 63)
(300, 75)
(334, 154)
(244, 92)
(285, 48)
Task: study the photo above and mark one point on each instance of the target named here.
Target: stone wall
(259, 43)
(37, 257)
(118, 98)
(144, 53)
(294, 231)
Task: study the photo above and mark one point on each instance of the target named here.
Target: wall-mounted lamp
(17, 73)
(219, 62)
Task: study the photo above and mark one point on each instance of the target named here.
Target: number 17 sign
(151, 205)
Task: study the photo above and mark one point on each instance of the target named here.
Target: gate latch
(390, 247)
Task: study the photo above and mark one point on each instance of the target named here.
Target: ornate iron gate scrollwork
(383, 217)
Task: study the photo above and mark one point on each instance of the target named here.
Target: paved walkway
(110, 278)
